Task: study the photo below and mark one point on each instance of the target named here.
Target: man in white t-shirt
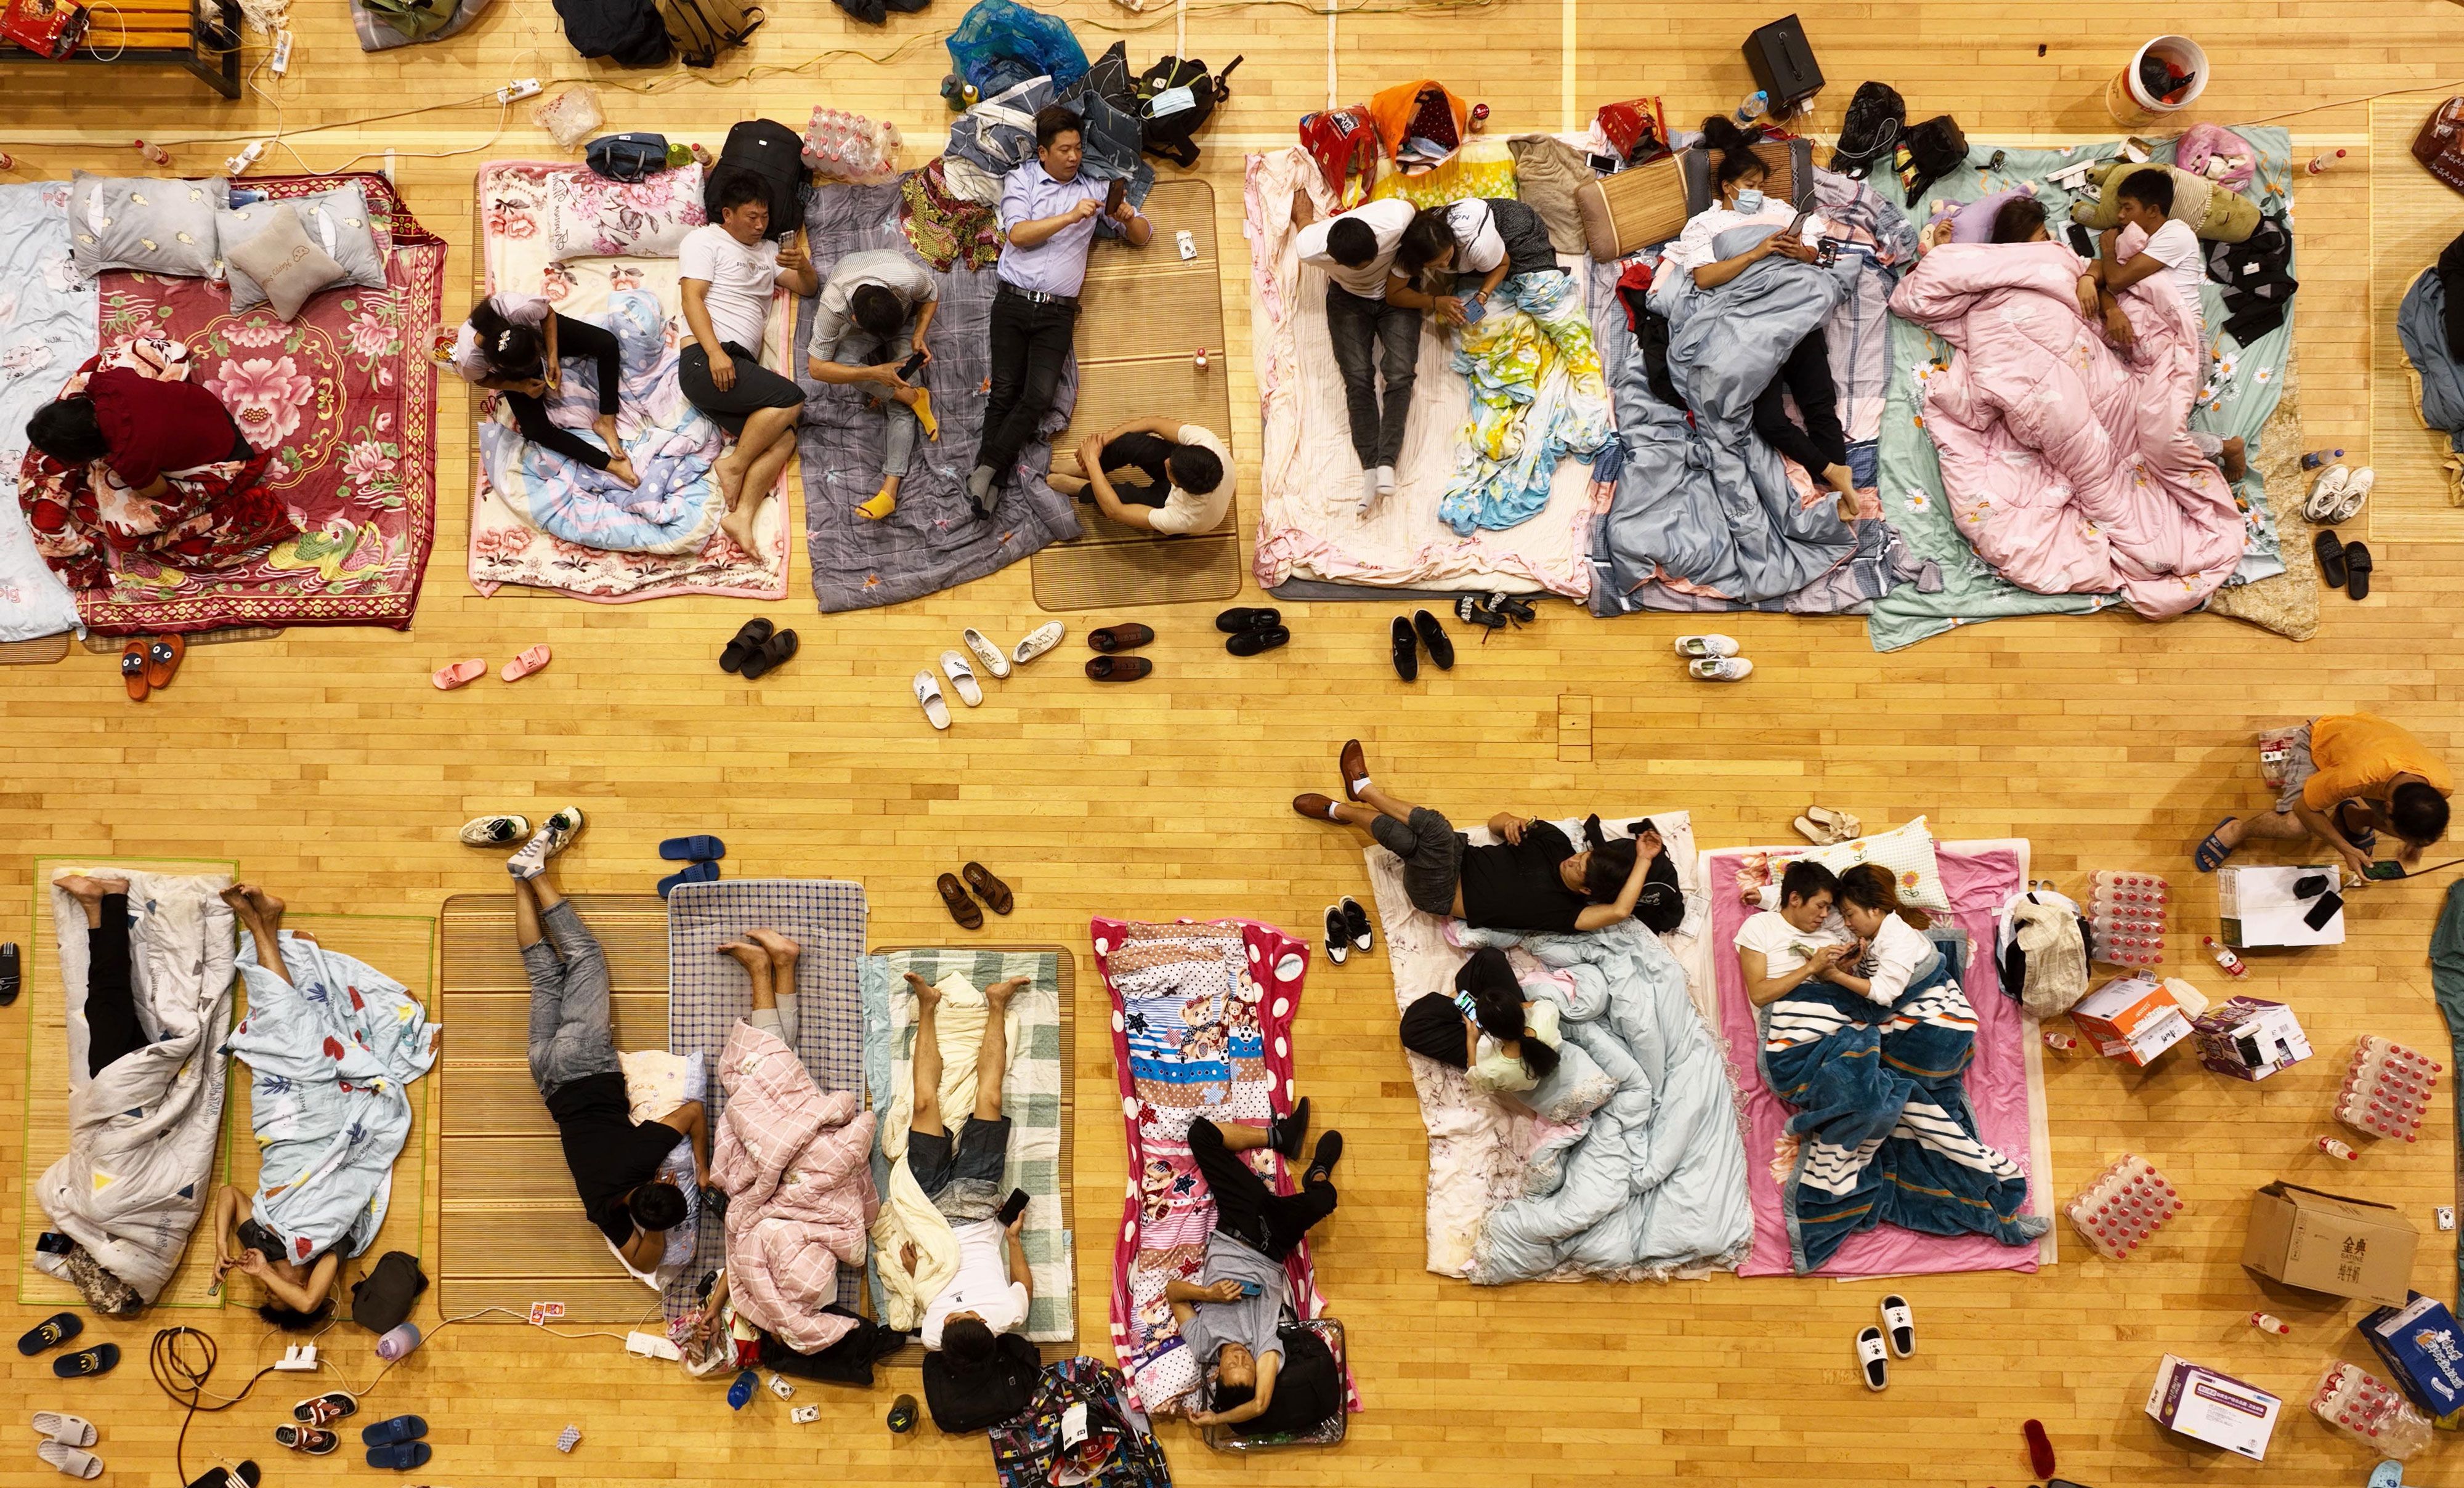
(727, 270)
(962, 1177)
(1159, 475)
(869, 327)
(2145, 199)
(1797, 939)
(1372, 319)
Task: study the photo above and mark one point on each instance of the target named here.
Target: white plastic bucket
(2131, 104)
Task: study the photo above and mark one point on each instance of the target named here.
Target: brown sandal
(992, 890)
(963, 908)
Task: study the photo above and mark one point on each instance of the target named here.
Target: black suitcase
(1783, 64)
(772, 153)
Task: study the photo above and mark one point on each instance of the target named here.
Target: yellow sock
(923, 411)
(884, 502)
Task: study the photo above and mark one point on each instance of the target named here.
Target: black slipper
(2357, 569)
(2330, 549)
(100, 1359)
(246, 1475)
(1433, 635)
(54, 1330)
(1407, 651)
(772, 655)
(11, 979)
(748, 641)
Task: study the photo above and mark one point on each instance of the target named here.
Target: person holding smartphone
(961, 1175)
(1229, 1317)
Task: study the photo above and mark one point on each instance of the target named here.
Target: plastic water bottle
(7, 162)
(154, 152)
(2335, 1148)
(2269, 1322)
(2225, 958)
(902, 1415)
(2319, 457)
(1757, 103)
(2321, 162)
(401, 1340)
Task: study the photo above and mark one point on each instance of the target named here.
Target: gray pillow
(148, 224)
(336, 221)
(289, 267)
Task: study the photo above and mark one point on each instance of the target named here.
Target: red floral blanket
(343, 402)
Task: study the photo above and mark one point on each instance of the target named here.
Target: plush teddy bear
(2214, 212)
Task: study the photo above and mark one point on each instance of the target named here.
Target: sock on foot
(1367, 490)
(1385, 480)
(532, 859)
(980, 483)
(787, 1019)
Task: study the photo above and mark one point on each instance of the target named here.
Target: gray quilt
(934, 541)
(2421, 324)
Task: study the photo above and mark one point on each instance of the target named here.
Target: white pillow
(1906, 851)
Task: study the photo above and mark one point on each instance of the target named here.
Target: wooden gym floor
(327, 766)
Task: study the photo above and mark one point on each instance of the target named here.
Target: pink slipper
(459, 674)
(524, 665)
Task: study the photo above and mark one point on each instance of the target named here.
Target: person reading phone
(961, 1176)
(1229, 1316)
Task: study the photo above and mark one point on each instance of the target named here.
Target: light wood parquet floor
(327, 765)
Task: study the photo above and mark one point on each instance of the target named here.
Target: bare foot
(738, 524)
(1067, 485)
(729, 470)
(264, 903)
(782, 954)
(90, 893)
(997, 995)
(621, 466)
(927, 995)
(750, 956)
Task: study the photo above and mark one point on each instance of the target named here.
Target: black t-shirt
(1515, 887)
(609, 1155)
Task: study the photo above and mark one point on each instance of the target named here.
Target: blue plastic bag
(1000, 43)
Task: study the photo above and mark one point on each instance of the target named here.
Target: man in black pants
(1052, 214)
(1822, 444)
(111, 1024)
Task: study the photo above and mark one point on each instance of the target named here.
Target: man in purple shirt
(1051, 215)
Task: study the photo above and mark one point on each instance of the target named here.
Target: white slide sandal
(1871, 1360)
(962, 678)
(69, 1430)
(987, 652)
(69, 1459)
(1900, 1326)
(928, 692)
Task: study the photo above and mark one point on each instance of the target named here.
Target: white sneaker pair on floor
(2337, 493)
(962, 676)
(1714, 658)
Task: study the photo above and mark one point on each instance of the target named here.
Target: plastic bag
(571, 116)
(2358, 1404)
(1000, 43)
(1344, 143)
(850, 147)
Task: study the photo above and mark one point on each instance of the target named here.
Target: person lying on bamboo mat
(962, 1177)
(516, 345)
(1533, 880)
(727, 270)
(869, 331)
(615, 1161)
(1157, 475)
(1230, 1316)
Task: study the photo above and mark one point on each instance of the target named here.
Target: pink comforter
(796, 1166)
(2068, 463)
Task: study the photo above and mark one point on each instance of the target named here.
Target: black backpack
(773, 154)
(628, 32)
(384, 1298)
(962, 1401)
(1168, 134)
(1929, 152)
(1871, 131)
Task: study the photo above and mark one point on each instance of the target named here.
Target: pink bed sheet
(1977, 883)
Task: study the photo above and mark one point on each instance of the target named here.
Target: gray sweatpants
(572, 1029)
(899, 442)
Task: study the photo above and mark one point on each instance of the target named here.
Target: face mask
(1749, 201)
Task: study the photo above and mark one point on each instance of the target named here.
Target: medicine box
(2423, 1349)
(2259, 907)
(2132, 1019)
(2249, 1037)
(2216, 1409)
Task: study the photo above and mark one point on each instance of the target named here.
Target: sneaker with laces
(495, 831)
(1719, 669)
(987, 652)
(1034, 643)
(555, 835)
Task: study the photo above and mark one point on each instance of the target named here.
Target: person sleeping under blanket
(1230, 1316)
(1534, 881)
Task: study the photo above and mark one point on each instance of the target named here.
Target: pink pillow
(590, 216)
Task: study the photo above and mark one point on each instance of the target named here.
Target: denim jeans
(1360, 328)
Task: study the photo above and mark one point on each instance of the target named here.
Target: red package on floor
(1344, 143)
(47, 27)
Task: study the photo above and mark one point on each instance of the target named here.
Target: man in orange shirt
(2349, 777)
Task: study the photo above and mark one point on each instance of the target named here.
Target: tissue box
(2424, 1351)
(2216, 1409)
(2259, 907)
(2132, 1019)
(2249, 1037)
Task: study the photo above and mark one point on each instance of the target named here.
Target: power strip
(280, 61)
(651, 1345)
(518, 88)
(299, 1356)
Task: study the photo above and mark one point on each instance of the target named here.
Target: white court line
(1566, 66)
(1330, 86)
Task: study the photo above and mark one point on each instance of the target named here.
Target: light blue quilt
(47, 329)
(332, 1053)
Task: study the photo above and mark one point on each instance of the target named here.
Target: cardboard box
(2249, 1037)
(2260, 907)
(2324, 1242)
(2132, 1019)
(2423, 1348)
(2216, 1409)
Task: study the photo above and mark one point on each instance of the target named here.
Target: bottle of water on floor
(401, 1340)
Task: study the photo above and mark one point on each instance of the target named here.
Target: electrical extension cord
(280, 61)
(518, 88)
(299, 1356)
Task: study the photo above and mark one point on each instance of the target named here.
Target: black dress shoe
(9, 973)
(1433, 635)
(1249, 643)
(1233, 622)
(1285, 1133)
(1355, 919)
(1407, 651)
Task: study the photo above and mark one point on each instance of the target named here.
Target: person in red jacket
(140, 427)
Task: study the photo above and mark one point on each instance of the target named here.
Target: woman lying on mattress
(1503, 1044)
(515, 344)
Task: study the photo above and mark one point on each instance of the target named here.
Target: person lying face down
(1503, 1044)
(142, 428)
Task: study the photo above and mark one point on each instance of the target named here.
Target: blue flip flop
(394, 1432)
(701, 849)
(402, 1456)
(2211, 852)
(697, 873)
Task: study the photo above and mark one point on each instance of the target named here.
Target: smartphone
(1604, 165)
(2082, 242)
(1013, 1207)
(1250, 1288)
(1115, 195)
(2384, 869)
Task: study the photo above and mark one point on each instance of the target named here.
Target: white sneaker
(2356, 492)
(495, 831)
(928, 692)
(1706, 645)
(2326, 492)
(962, 678)
(987, 652)
(555, 835)
(1385, 480)
(1041, 638)
(1721, 669)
